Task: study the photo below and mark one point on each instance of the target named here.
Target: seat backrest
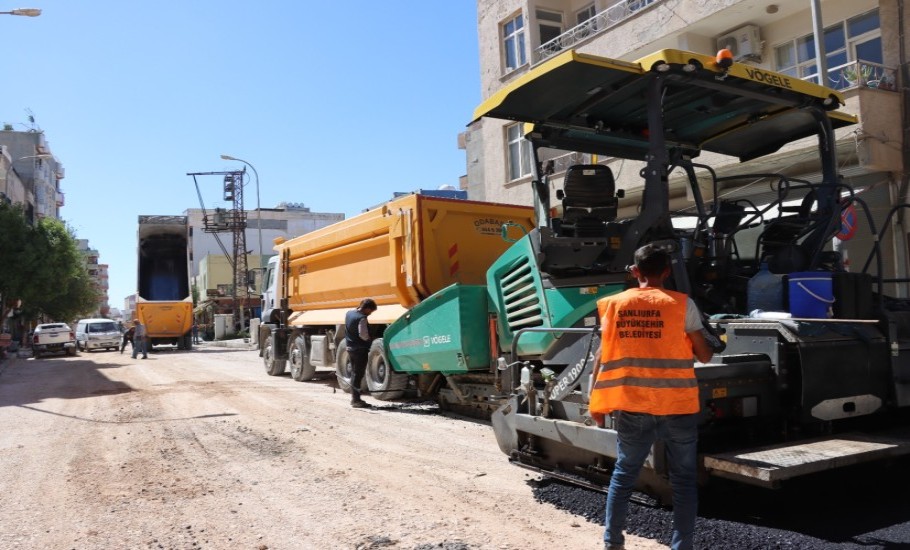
(589, 186)
(589, 200)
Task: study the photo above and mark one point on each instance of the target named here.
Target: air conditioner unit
(744, 43)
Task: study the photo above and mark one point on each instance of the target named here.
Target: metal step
(768, 466)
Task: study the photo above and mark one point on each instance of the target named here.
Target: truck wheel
(384, 383)
(36, 354)
(343, 370)
(299, 360)
(273, 367)
(188, 341)
(71, 351)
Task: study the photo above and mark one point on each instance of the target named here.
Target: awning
(593, 104)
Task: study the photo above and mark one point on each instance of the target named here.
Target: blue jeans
(637, 432)
(140, 346)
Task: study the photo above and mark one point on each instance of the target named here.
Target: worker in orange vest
(646, 379)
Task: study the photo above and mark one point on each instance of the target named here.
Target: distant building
(286, 220)
(99, 276)
(31, 174)
(129, 308)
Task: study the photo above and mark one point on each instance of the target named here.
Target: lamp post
(26, 12)
(10, 169)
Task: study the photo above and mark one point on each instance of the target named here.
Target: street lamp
(26, 12)
(10, 169)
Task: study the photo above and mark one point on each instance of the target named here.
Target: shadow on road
(26, 381)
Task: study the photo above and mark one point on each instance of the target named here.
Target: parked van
(97, 333)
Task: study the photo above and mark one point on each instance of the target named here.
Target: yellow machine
(397, 254)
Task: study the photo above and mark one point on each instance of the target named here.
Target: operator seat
(588, 201)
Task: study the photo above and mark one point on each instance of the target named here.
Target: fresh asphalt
(863, 507)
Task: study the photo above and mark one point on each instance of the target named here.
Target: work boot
(360, 404)
(608, 546)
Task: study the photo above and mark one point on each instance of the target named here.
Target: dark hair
(367, 303)
(651, 260)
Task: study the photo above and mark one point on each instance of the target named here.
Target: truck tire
(71, 351)
(273, 367)
(384, 383)
(343, 370)
(188, 341)
(299, 360)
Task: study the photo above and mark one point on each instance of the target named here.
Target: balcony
(610, 17)
(862, 74)
(60, 198)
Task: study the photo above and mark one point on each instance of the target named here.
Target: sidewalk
(237, 343)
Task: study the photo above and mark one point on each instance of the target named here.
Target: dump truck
(164, 302)
(398, 254)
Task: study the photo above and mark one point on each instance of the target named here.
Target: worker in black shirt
(357, 339)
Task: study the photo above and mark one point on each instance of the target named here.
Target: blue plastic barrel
(811, 294)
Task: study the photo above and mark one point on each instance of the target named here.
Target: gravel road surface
(201, 449)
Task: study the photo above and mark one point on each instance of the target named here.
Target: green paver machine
(787, 397)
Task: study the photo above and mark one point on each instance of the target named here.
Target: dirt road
(202, 450)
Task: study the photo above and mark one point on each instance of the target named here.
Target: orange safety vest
(647, 363)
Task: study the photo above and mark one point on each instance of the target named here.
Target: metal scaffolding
(233, 221)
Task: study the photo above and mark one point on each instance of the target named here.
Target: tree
(14, 247)
(60, 286)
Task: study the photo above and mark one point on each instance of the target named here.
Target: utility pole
(230, 221)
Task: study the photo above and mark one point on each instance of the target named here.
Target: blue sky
(336, 105)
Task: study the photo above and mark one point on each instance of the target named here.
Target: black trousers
(359, 366)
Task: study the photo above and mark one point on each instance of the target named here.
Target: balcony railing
(610, 17)
(860, 74)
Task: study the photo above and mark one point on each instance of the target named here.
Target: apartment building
(865, 43)
(32, 173)
(98, 273)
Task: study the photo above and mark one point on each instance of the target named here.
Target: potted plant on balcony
(857, 73)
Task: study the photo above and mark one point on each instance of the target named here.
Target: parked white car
(53, 337)
(97, 333)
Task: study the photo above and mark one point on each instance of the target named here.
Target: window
(584, 14)
(550, 25)
(587, 15)
(519, 152)
(856, 39)
(513, 42)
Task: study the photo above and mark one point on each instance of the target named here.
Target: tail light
(72, 335)
(35, 339)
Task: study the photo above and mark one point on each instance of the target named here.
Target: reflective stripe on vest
(647, 359)
(647, 382)
(647, 362)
